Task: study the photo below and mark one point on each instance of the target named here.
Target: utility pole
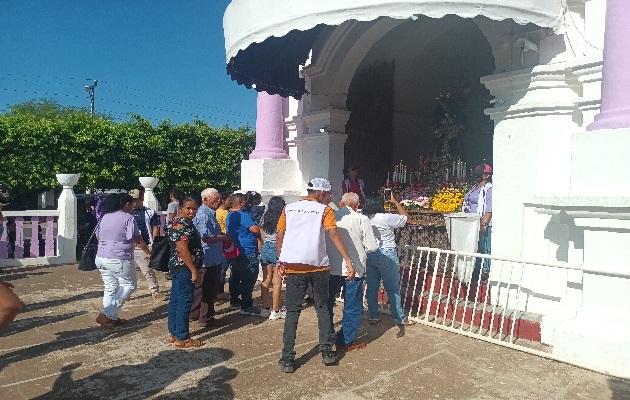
(90, 90)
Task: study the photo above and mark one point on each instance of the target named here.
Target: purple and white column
(615, 108)
(269, 128)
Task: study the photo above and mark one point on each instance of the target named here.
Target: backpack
(230, 250)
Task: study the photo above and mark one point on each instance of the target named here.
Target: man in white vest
(302, 258)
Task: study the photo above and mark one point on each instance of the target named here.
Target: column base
(272, 177)
(274, 154)
(597, 340)
(612, 119)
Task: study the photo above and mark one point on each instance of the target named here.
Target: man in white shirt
(358, 237)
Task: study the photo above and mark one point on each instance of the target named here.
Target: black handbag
(88, 255)
(160, 254)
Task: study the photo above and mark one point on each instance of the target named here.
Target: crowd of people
(311, 244)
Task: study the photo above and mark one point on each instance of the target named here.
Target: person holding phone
(383, 264)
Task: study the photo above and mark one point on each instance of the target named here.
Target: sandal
(407, 323)
(188, 343)
(171, 339)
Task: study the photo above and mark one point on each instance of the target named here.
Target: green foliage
(40, 139)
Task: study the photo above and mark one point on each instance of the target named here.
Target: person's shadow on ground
(69, 339)
(141, 381)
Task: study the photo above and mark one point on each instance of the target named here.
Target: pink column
(615, 109)
(269, 128)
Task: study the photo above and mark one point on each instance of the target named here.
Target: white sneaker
(277, 315)
(265, 313)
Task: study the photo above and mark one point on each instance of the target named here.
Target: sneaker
(251, 311)
(159, 296)
(329, 357)
(287, 366)
(234, 306)
(265, 313)
(277, 315)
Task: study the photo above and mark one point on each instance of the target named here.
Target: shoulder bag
(88, 255)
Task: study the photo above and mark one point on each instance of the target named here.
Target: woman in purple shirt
(478, 200)
(117, 235)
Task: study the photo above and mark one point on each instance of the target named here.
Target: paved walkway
(55, 351)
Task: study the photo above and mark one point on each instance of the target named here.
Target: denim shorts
(268, 255)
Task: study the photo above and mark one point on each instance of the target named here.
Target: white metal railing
(442, 289)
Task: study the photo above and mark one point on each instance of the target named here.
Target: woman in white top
(383, 263)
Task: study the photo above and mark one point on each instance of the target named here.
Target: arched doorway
(392, 96)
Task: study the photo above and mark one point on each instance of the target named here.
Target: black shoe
(329, 357)
(287, 366)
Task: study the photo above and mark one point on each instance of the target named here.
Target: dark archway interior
(392, 97)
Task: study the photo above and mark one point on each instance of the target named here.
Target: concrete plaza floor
(55, 350)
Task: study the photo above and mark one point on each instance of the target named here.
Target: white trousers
(119, 278)
(142, 262)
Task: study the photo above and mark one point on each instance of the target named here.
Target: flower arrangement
(448, 199)
(415, 197)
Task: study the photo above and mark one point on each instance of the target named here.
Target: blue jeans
(224, 267)
(483, 247)
(383, 264)
(352, 312)
(334, 283)
(243, 279)
(179, 304)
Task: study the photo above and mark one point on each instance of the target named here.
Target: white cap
(319, 184)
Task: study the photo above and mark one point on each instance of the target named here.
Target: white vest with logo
(304, 241)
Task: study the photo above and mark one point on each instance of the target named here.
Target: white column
(148, 183)
(67, 223)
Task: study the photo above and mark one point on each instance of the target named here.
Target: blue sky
(161, 59)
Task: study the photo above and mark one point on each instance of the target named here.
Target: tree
(39, 139)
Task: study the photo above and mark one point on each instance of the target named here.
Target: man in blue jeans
(358, 237)
(246, 236)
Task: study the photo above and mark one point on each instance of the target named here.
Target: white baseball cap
(319, 184)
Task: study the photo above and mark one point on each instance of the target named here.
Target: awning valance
(266, 40)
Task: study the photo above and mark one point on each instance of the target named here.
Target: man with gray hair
(358, 237)
(212, 239)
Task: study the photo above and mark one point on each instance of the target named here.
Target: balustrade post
(148, 183)
(67, 223)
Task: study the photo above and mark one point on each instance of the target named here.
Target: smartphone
(387, 194)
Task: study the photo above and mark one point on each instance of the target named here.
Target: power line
(172, 111)
(47, 80)
(177, 101)
(201, 116)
